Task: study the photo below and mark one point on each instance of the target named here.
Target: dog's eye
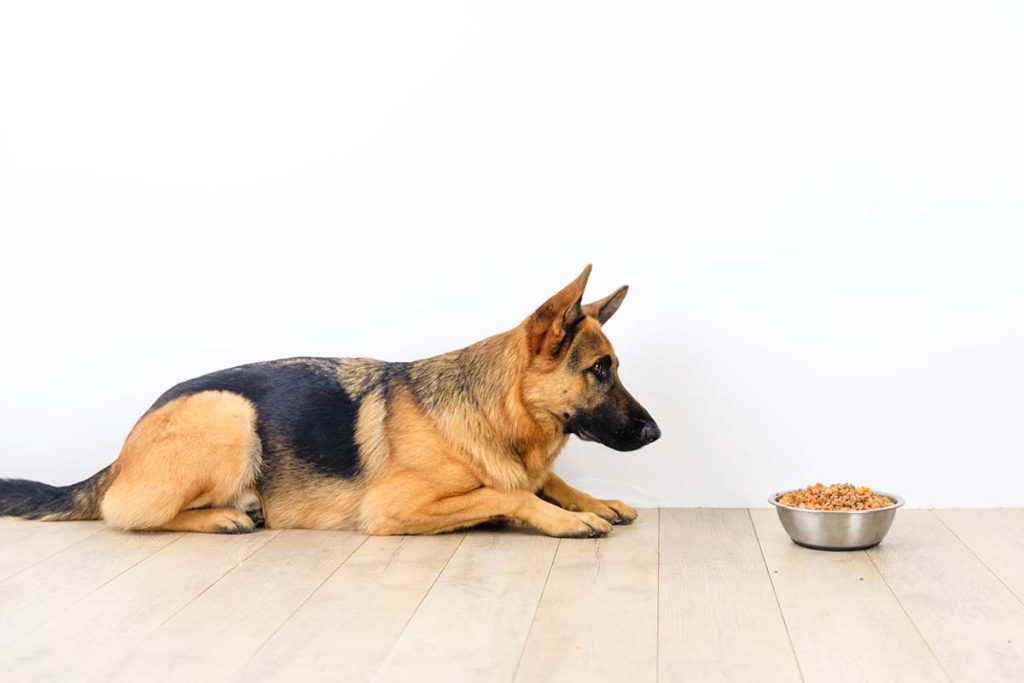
(600, 369)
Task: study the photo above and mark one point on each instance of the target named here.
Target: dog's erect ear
(605, 308)
(553, 325)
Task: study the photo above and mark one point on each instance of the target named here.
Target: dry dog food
(836, 497)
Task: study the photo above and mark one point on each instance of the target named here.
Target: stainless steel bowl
(836, 529)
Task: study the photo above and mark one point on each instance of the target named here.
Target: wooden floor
(682, 595)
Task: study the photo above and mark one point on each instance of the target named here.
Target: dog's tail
(35, 500)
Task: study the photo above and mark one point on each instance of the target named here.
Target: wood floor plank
(26, 542)
(107, 624)
(843, 621)
(996, 537)
(49, 587)
(718, 616)
(215, 634)
(974, 624)
(598, 616)
(346, 628)
(473, 623)
(941, 597)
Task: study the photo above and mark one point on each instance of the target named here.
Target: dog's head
(574, 373)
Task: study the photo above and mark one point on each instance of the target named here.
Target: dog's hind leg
(226, 520)
(198, 451)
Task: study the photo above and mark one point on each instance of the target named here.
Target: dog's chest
(539, 460)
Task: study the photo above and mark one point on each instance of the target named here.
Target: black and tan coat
(389, 448)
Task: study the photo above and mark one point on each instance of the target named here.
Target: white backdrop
(818, 207)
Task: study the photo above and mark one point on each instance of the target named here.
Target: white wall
(818, 207)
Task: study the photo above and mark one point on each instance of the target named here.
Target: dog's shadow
(504, 527)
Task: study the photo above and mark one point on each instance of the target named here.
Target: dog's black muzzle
(623, 430)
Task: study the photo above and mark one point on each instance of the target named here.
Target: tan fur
(207, 520)
(563, 495)
(432, 486)
(196, 451)
(307, 499)
(444, 443)
(457, 473)
(460, 471)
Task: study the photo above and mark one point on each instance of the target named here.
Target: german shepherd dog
(444, 443)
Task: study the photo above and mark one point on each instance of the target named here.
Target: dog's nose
(650, 433)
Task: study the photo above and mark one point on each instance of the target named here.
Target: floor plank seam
(302, 604)
(976, 556)
(536, 608)
(53, 554)
(775, 594)
(127, 569)
(657, 604)
(419, 604)
(46, 621)
(104, 566)
(215, 581)
(913, 623)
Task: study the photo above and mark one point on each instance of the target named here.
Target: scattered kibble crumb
(836, 497)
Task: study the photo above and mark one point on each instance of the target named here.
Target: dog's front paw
(622, 513)
(579, 525)
(614, 511)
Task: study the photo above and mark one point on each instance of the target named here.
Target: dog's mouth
(575, 426)
(585, 435)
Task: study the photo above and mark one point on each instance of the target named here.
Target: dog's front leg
(486, 504)
(615, 511)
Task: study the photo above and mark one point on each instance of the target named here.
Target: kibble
(836, 497)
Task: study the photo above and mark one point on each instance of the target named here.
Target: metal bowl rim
(774, 500)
